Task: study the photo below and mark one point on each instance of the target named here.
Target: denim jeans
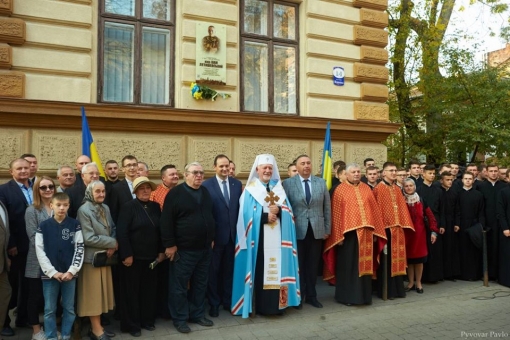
(51, 289)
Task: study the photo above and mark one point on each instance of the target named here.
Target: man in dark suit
(89, 173)
(122, 191)
(310, 201)
(225, 192)
(16, 195)
(5, 287)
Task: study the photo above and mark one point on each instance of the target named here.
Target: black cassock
(267, 301)
(350, 288)
(470, 210)
(490, 193)
(451, 262)
(504, 242)
(433, 268)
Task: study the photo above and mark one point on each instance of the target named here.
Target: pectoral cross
(271, 198)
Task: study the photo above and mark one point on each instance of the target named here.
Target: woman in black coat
(140, 249)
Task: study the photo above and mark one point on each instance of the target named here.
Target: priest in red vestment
(352, 251)
(396, 218)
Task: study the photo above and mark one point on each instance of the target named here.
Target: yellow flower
(192, 85)
(198, 95)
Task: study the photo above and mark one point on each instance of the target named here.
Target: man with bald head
(17, 195)
(80, 162)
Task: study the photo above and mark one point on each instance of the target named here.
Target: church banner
(211, 61)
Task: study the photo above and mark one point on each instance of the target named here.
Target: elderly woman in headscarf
(416, 242)
(95, 287)
(140, 249)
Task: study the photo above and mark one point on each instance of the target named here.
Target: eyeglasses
(46, 187)
(131, 165)
(392, 170)
(196, 173)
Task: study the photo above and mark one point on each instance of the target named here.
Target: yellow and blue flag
(87, 143)
(326, 159)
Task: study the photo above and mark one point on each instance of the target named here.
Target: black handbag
(102, 260)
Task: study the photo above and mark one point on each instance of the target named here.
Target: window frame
(139, 23)
(271, 41)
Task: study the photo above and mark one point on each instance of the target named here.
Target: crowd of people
(169, 250)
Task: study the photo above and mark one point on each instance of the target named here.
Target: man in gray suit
(5, 287)
(309, 198)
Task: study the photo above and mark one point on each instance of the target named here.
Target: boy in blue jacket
(59, 249)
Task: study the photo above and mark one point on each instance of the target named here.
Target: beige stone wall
(57, 147)
(54, 44)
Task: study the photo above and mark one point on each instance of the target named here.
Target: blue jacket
(59, 247)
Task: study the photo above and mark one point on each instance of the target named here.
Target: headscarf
(89, 192)
(413, 198)
(89, 197)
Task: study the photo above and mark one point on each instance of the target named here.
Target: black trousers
(35, 300)
(192, 267)
(138, 289)
(309, 253)
(19, 284)
(221, 273)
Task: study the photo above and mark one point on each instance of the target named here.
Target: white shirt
(220, 183)
(303, 184)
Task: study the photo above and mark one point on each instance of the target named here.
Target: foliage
(432, 80)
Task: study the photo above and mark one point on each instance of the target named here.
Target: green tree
(418, 34)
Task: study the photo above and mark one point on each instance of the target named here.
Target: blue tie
(225, 191)
(308, 196)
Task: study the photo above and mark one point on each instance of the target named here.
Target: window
(269, 56)
(136, 51)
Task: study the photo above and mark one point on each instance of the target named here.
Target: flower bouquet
(203, 92)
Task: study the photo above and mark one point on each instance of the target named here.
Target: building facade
(130, 63)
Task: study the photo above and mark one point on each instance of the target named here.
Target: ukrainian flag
(87, 143)
(326, 159)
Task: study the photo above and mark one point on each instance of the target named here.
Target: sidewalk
(446, 310)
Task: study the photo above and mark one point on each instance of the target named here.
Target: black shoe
(150, 328)
(419, 290)
(103, 336)
(136, 334)
(203, 322)
(410, 288)
(7, 331)
(314, 302)
(108, 333)
(183, 327)
(104, 320)
(300, 306)
(214, 311)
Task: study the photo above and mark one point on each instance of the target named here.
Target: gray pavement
(447, 310)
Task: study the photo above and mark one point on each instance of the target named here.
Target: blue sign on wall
(338, 76)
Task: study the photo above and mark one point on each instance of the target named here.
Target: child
(59, 249)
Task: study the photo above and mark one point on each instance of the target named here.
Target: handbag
(101, 259)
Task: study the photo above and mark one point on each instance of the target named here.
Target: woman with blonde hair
(95, 287)
(39, 211)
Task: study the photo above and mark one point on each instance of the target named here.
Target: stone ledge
(373, 55)
(12, 31)
(380, 5)
(371, 111)
(12, 84)
(6, 7)
(370, 73)
(369, 17)
(374, 92)
(5, 56)
(370, 36)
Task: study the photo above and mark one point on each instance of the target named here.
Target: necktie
(225, 192)
(308, 196)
